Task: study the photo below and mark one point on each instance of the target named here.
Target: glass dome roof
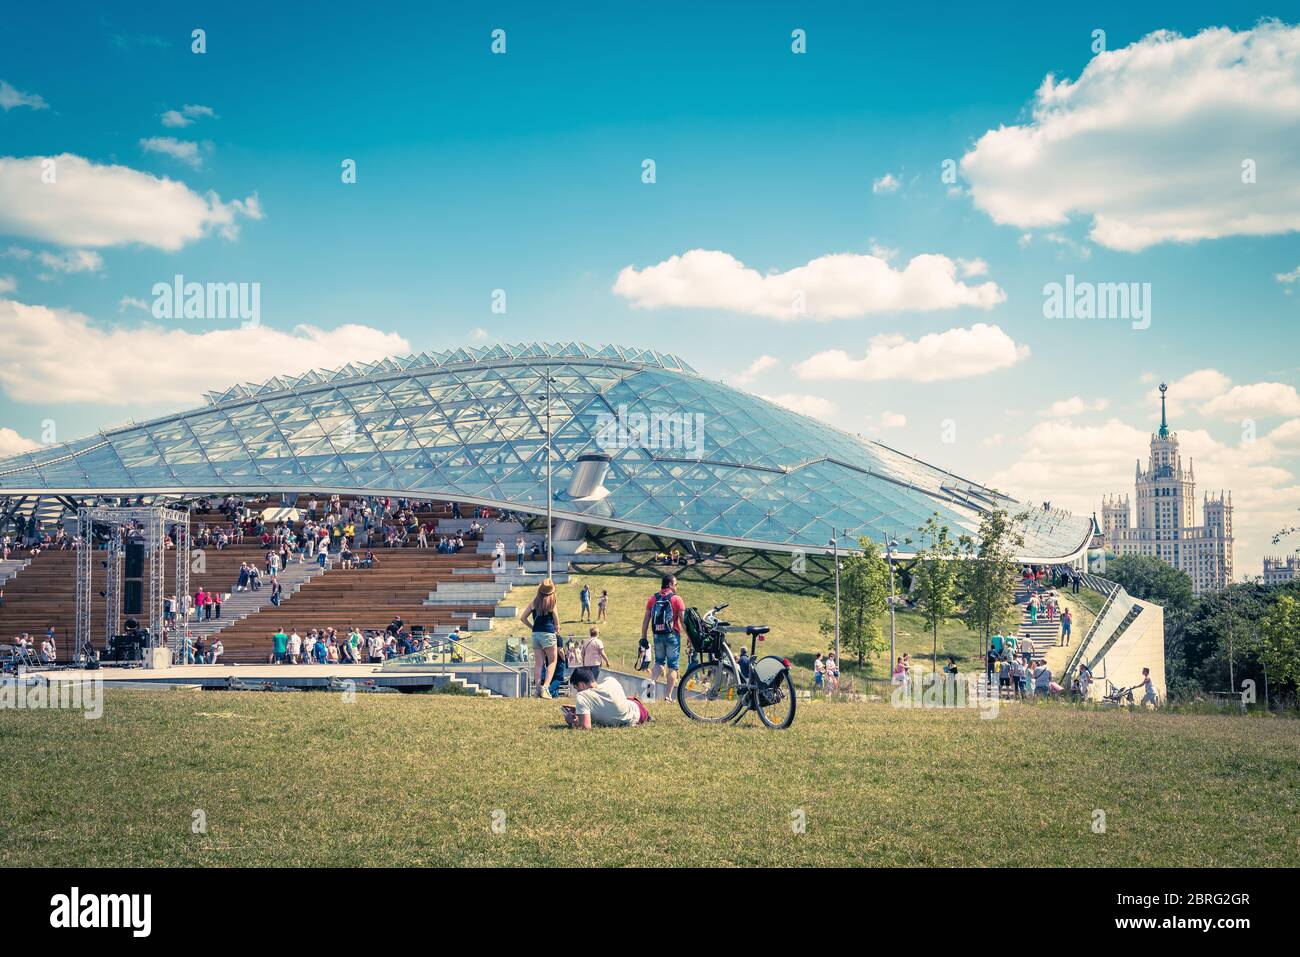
(690, 457)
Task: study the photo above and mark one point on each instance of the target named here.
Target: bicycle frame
(748, 685)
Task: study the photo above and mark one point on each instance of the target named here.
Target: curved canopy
(690, 458)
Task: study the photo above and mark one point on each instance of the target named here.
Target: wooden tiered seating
(44, 593)
(366, 598)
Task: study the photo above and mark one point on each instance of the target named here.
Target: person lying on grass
(601, 703)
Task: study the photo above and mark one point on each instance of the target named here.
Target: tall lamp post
(834, 543)
(889, 555)
(549, 495)
(835, 555)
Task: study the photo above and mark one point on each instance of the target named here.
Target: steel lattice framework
(691, 459)
(154, 522)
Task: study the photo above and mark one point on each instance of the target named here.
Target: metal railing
(1105, 614)
(441, 656)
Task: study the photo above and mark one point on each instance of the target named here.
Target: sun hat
(546, 587)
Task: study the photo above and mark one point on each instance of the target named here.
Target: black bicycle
(720, 687)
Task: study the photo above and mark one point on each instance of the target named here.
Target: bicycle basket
(703, 640)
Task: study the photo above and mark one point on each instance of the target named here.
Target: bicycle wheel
(776, 704)
(710, 691)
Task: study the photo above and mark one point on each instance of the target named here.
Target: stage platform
(497, 679)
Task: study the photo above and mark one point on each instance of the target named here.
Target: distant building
(1166, 509)
(1278, 571)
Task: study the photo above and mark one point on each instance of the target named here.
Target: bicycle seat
(757, 629)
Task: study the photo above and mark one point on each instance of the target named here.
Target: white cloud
(57, 355)
(182, 150)
(835, 286)
(7, 284)
(1187, 112)
(1212, 393)
(972, 267)
(1191, 390)
(72, 261)
(186, 115)
(96, 205)
(954, 354)
(1060, 239)
(1075, 405)
(755, 369)
(893, 420)
(1286, 437)
(886, 184)
(478, 335)
(133, 303)
(11, 98)
(812, 405)
(1292, 276)
(1255, 400)
(11, 443)
(881, 251)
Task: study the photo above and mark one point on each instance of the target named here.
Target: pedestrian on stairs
(1066, 621)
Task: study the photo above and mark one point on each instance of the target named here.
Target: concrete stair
(10, 567)
(1043, 633)
(239, 605)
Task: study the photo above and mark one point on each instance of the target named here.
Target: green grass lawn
(310, 779)
(794, 620)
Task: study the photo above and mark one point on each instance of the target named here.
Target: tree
(934, 578)
(1153, 580)
(1277, 641)
(988, 574)
(864, 595)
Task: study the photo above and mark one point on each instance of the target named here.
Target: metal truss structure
(153, 525)
(797, 573)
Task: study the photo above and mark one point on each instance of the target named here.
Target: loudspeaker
(133, 598)
(134, 560)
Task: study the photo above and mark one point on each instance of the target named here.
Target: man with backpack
(663, 617)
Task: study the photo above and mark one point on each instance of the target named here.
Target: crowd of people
(328, 645)
(26, 651)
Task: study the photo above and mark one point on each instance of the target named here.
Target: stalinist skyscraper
(1166, 509)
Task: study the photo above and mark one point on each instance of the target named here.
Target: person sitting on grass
(601, 703)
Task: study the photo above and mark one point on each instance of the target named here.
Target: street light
(835, 552)
(890, 544)
(549, 494)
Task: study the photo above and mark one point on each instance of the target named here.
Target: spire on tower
(1164, 424)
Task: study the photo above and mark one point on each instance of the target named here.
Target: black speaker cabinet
(133, 598)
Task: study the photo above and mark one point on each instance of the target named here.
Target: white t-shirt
(295, 644)
(607, 704)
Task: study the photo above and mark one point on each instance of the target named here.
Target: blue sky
(523, 172)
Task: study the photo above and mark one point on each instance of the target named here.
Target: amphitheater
(622, 455)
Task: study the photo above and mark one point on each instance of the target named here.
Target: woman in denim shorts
(541, 617)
